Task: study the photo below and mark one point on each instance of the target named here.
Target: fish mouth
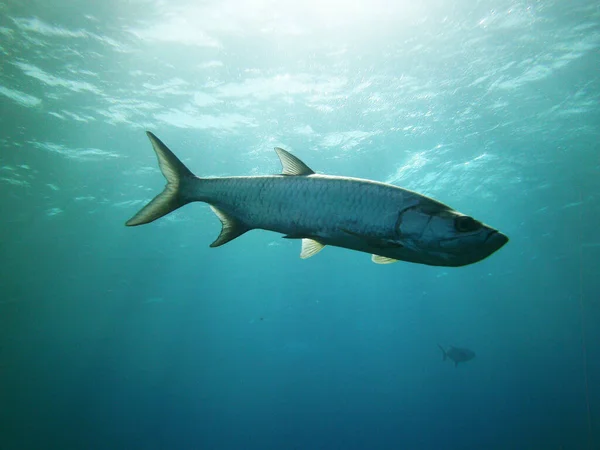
(496, 240)
(456, 257)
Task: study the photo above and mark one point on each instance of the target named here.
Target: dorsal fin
(291, 164)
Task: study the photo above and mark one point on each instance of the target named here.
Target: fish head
(460, 354)
(464, 354)
(446, 237)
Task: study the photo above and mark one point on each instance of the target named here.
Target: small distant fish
(457, 354)
(386, 221)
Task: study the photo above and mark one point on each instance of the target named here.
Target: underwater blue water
(146, 338)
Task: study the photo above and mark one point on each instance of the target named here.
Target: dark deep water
(145, 338)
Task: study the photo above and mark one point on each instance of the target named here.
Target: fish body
(386, 221)
(457, 354)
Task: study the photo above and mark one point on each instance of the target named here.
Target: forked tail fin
(445, 355)
(171, 198)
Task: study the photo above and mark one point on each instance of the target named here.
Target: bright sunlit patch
(14, 181)
(342, 12)
(315, 88)
(51, 80)
(80, 154)
(207, 24)
(54, 212)
(181, 29)
(37, 26)
(20, 97)
(412, 166)
(346, 140)
(192, 119)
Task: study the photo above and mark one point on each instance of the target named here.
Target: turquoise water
(146, 338)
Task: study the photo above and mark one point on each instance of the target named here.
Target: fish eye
(464, 224)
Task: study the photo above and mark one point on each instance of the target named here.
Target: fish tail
(445, 355)
(172, 196)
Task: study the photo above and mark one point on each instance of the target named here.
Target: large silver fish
(386, 221)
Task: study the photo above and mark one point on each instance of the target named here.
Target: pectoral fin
(310, 247)
(382, 259)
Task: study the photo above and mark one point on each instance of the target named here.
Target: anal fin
(310, 247)
(231, 227)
